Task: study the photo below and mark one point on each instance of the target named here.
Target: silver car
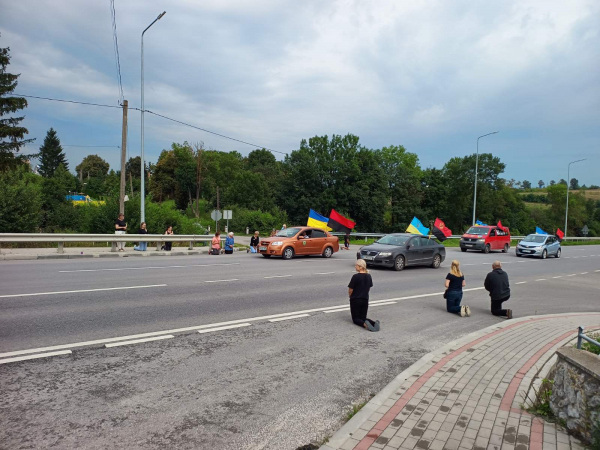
(542, 245)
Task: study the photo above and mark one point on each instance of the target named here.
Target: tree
(11, 134)
(51, 155)
(133, 167)
(526, 184)
(57, 211)
(92, 166)
(552, 182)
(541, 184)
(20, 201)
(563, 181)
(574, 183)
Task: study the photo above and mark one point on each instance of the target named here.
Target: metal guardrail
(61, 238)
(582, 337)
(456, 236)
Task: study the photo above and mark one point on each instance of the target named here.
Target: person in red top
(215, 248)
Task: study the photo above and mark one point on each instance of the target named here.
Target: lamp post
(143, 168)
(569, 181)
(476, 169)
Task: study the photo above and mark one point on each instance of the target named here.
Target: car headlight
(277, 243)
(385, 254)
(480, 240)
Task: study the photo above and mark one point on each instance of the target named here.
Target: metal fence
(378, 235)
(582, 337)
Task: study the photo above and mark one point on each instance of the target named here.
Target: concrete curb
(349, 428)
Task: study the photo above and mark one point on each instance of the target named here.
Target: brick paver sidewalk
(469, 394)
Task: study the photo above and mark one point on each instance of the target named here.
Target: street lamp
(568, 181)
(143, 171)
(476, 169)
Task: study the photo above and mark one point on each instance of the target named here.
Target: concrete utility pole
(123, 157)
(476, 170)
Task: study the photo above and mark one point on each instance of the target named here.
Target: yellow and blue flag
(538, 230)
(416, 227)
(317, 220)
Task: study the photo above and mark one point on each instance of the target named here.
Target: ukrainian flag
(416, 227)
(317, 220)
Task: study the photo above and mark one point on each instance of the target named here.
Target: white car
(541, 245)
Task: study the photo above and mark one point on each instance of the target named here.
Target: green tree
(552, 182)
(51, 155)
(92, 166)
(563, 181)
(526, 184)
(11, 134)
(574, 183)
(58, 213)
(20, 201)
(541, 184)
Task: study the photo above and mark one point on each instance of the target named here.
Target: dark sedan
(401, 250)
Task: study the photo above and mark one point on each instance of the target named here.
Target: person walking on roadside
(358, 291)
(455, 282)
(120, 228)
(169, 232)
(347, 241)
(229, 241)
(496, 283)
(254, 241)
(215, 245)
(142, 246)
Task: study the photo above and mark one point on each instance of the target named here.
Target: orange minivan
(485, 238)
(293, 241)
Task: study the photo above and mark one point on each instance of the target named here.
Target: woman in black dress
(455, 281)
(358, 291)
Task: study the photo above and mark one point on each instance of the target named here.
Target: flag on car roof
(502, 227)
(479, 222)
(416, 227)
(560, 235)
(316, 220)
(440, 230)
(338, 222)
(538, 230)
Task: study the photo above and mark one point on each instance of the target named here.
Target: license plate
(468, 245)
(262, 249)
(368, 258)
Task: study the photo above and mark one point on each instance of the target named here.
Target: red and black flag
(338, 222)
(441, 231)
(560, 235)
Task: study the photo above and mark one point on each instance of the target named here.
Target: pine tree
(51, 155)
(11, 134)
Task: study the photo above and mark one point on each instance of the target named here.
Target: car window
(288, 232)
(478, 230)
(535, 238)
(424, 242)
(390, 239)
(416, 242)
(492, 233)
(318, 234)
(550, 240)
(431, 241)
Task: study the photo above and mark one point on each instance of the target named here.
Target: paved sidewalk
(469, 394)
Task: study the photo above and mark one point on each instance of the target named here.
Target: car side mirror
(407, 246)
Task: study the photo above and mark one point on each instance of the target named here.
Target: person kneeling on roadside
(455, 282)
(358, 291)
(496, 283)
(215, 244)
(229, 244)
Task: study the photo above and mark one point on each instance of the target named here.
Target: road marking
(567, 257)
(596, 270)
(289, 317)
(43, 355)
(583, 273)
(82, 290)
(383, 304)
(324, 273)
(575, 257)
(221, 281)
(560, 276)
(229, 327)
(521, 282)
(572, 275)
(541, 279)
(139, 341)
(145, 268)
(584, 256)
(278, 276)
(337, 310)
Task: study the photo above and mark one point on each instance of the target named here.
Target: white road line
(278, 276)
(43, 355)
(541, 279)
(584, 256)
(289, 317)
(139, 341)
(560, 276)
(324, 273)
(583, 273)
(229, 327)
(382, 304)
(83, 290)
(572, 275)
(336, 310)
(221, 281)
(575, 257)
(597, 270)
(116, 269)
(521, 282)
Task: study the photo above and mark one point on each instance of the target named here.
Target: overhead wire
(113, 14)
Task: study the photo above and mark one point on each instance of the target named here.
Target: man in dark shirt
(120, 228)
(496, 283)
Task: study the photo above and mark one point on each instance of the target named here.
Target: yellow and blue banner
(538, 230)
(317, 220)
(416, 227)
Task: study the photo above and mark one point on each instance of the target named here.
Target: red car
(485, 238)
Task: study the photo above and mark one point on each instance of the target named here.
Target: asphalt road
(271, 385)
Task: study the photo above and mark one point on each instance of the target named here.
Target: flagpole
(476, 170)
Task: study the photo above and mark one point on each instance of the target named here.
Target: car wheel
(486, 249)
(327, 252)
(288, 253)
(462, 249)
(267, 256)
(505, 249)
(544, 254)
(399, 263)
(437, 261)
(557, 254)
(518, 255)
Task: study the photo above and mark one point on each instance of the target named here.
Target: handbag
(446, 294)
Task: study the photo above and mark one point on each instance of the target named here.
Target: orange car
(299, 241)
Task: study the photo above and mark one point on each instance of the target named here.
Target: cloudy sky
(431, 76)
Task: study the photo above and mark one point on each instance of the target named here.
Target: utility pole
(123, 156)
(216, 222)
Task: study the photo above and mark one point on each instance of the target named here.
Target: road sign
(585, 230)
(216, 215)
(227, 214)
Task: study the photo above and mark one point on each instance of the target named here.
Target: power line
(67, 101)
(113, 15)
(92, 146)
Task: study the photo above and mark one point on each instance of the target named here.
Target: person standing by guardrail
(496, 283)
(141, 247)
(455, 282)
(120, 228)
(169, 232)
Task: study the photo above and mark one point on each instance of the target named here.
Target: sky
(431, 76)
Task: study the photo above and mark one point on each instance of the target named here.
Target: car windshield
(390, 239)
(288, 232)
(478, 230)
(535, 238)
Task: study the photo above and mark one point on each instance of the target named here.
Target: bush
(264, 222)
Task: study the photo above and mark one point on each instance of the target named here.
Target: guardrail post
(158, 246)
(365, 239)
(113, 247)
(61, 247)
(191, 247)
(579, 339)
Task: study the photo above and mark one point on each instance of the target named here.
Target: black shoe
(377, 325)
(369, 326)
